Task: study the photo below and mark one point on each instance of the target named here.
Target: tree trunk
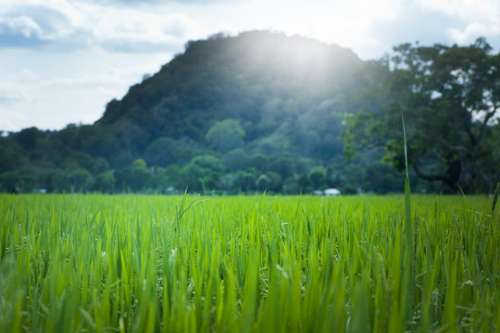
(450, 177)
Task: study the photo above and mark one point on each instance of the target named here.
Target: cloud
(464, 9)
(475, 30)
(20, 31)
(11, 120)
(414, 23)
(52, 89)
(441, 21)
(153, 2)
(479, 18)
(60, 24)
(10, 97)
(136, 31)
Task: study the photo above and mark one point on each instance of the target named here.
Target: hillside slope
(258, 111)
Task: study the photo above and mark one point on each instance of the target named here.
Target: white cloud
(12, 120)
(58, 88)
(67, 25)
(481, 18)
(23, 25)
(137, 31)
(473, 31)
(143, 3)
(465, 9)
(8, 98)
(10, 95)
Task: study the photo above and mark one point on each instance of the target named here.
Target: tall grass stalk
(409, 246)
(495, 199)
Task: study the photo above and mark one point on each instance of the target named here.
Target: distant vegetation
(266, 112)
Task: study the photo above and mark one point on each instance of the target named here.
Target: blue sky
(63, 60)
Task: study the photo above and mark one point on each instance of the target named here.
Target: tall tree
(450, 97)
(226, 135)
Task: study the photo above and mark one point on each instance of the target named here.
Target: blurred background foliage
(265, 112)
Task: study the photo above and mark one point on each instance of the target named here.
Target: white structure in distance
(329, 192)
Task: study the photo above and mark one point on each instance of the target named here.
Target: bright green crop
(85, 263)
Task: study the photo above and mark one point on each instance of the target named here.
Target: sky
(61, 61)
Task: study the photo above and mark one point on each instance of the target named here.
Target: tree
(75, 160)
(202, 173)
(164, 151)
(59, 181)
(105, 182)
(291, 186)
(80, 180)
(236, 159)
(285, 166)
(27, 138)
(317, 177)
(276, 181)
(449, 97)
(263, 183)
(172, 177)
(226, 135)
(135, 177)
(245, 181)
(15, 182)
(11, 156)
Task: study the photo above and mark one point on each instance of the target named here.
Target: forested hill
(260, 111)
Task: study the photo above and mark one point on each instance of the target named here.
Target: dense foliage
(246, 264)
(257, 112)
(450, 98)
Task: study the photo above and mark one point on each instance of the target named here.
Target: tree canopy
(450, 99)
(262, 111)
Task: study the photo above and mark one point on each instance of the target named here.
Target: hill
(254, 112)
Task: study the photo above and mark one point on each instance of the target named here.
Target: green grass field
(84, 263)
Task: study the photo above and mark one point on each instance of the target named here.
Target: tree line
(265, 112)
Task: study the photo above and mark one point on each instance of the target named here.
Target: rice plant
(91, 263)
